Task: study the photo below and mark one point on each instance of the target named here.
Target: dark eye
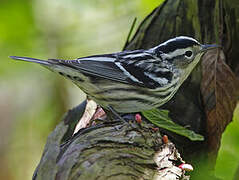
(188, 53)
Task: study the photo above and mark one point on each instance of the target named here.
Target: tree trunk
(204, 104)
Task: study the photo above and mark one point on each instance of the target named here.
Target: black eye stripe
(188, 53)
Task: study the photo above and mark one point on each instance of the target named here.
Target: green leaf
(161, 119)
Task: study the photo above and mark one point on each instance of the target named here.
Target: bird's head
(183, 52)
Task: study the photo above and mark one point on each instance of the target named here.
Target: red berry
(186, 167)
(165, 139)
(138, 118)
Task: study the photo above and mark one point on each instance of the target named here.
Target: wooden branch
(114, 150)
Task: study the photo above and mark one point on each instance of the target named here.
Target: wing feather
(128, 67)
(102, 66)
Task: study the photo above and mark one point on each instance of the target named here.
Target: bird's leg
(116, 114)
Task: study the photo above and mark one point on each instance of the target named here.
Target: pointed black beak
(206, 47)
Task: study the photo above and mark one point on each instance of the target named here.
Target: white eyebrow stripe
(151, 50)
(180, 37)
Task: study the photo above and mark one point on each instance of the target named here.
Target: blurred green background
(33, 99)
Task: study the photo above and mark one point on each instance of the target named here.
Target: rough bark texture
(110, 150)
(213, 21)
(116, 150)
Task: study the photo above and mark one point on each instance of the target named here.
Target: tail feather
(30, 60)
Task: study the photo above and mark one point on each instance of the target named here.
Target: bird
(132, 80)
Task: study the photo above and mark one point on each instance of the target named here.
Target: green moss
(192, 16)
(216, 20)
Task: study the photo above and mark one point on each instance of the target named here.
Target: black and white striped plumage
(132, 81)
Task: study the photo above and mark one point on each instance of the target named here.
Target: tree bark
(204, 103)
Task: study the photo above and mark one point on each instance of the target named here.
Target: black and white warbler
(132, 81)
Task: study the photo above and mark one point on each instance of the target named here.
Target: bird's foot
(118, 116)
